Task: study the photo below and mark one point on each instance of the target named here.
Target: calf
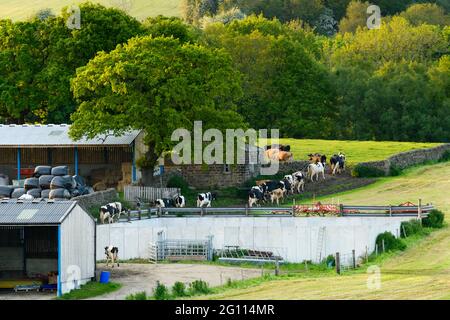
(205, 199)
(110, 212)
(316, 169)
(276, 195)
(112, 254)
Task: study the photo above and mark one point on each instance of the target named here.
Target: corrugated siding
(77, 247)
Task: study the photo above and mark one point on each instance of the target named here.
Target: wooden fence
(149, 193)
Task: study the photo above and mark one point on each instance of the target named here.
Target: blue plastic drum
(104, 277)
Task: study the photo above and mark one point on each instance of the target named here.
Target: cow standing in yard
(205, 199)
(112, 254)
(110, 212)
(180, 201)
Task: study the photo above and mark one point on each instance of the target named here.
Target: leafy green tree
(157, 85)
(426, 13)
(170, 27)
(285, 87)
(355, 17)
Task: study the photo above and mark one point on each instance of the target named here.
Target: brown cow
(275, 154)
(276, 195)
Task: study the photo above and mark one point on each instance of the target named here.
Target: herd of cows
(264, 191)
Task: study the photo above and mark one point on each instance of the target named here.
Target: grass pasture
(141, 9)
(421, 272)
(356, 151)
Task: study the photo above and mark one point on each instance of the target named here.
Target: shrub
(179, 289)
(435, 219)
(445, 156)
(177, 181)
(137, 296)
(391, 243)
(161, 292)
(199, 287)
(364, 171)
(410, 228)
(330, 261)
(394, 171)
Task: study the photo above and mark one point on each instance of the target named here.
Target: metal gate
(177, 250)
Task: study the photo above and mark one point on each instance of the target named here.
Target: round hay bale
(59, 194)
(60, 171)
(45, 181)
(18, 192)
(4, 179)
(31, 183)
(35, 193)
(45, 193)
(42, 171)
(6, 191)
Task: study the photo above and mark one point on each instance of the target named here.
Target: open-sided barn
(44, 239)
(22, 147)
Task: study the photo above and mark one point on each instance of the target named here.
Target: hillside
(422, 272)
(20, 10)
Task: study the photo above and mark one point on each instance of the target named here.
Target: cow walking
(112, 254)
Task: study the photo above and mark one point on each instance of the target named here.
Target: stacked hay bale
(126, 176)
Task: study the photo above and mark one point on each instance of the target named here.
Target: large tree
(38, 57)
(157, 85)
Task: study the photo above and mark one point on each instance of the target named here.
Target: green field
(20, 9)
(356, 151)
(421, 272)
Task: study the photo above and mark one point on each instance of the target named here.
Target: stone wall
(293, 166)
(204, 176)
(96, 199)
(407, 159)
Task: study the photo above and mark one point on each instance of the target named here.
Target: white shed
(42, 237)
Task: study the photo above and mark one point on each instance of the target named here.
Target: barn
(46, 243)
(22, 147)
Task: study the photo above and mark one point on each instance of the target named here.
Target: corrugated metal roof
(16, 212)
(55, 135)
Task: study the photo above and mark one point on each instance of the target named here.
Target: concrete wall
(407, 159)
(96, 199)
(296, 238)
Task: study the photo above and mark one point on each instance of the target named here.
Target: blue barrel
(104, 277)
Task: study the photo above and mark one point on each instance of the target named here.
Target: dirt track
(142, 277)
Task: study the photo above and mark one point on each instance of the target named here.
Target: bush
(445, 156)
(330, 261)
(161, 292)
(410, 228)
(178, 182)
(199, 287)
(179, 289)
(137, 296)
(364, 171)
(435, 219)
(391, 243)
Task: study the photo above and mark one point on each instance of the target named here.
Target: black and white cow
(299, 181)
(288, 184)
(164, 203)
(180, 201)
(111, 212)
(256, 195)
(205, 199)
(112, 254)
(337, 162)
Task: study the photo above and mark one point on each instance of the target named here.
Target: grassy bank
(90, 290)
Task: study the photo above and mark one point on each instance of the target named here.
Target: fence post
(129, 215)
(353, 259)
(338, 263)
(201, 211)
(246, 209)
(341, 210)
(419, 211)
(404, 231)
(139, 214)
(277, 267)
(390, 210)
(367, 254)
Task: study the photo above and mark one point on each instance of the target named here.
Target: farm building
(107, 159)
(46, 243)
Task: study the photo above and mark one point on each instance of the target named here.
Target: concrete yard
(142, 277)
